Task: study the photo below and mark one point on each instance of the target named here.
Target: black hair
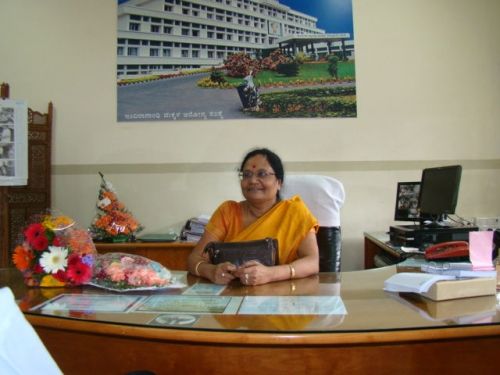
(273, 159)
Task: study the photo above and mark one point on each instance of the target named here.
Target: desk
(381, 333)
(172, 255)
(377, 243)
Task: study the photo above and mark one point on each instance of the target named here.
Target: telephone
(453, 250)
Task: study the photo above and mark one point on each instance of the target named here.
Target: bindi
(253, 166)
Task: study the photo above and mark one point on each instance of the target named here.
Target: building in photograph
(157, 36)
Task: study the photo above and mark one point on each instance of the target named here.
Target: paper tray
(452, 289)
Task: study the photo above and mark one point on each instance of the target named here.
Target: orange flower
(119, 206)
(79, 242)
(103, 221)
(110, 195)
(22, 258)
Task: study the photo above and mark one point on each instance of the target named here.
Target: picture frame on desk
(407, 201)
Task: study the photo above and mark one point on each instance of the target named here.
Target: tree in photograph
(240, 65)
(274, 59)
(333, 67)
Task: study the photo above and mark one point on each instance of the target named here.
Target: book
(158, 237)
(457, 269)
(194, 228)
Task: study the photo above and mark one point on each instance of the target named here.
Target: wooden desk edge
(252, 338)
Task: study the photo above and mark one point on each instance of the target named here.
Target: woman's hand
(253, 273)
(223, 273)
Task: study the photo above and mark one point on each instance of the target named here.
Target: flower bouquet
(126, 272)
(113, 222)
(54, 251)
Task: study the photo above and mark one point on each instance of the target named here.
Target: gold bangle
(198, 266)
(292, 271)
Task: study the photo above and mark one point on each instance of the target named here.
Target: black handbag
(264, 251)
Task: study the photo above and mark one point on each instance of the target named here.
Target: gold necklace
(253, 214)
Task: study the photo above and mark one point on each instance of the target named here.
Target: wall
(428, 92)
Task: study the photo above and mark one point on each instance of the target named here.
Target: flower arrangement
(54, 251)
(122, 272)
(113, 222)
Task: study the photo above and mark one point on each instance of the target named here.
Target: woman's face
(259, 182)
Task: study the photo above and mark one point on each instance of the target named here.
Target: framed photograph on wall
(226, 60)
(13, 142)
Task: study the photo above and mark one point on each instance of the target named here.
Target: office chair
(21, 350)
(324, 196)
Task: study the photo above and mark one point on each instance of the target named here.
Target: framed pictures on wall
(231, 60)
(13, 142)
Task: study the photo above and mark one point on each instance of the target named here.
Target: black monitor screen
(439, 190)
(407, 201)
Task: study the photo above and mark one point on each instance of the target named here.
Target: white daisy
(56, 259)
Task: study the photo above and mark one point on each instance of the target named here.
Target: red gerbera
(37, 268)
(74, 259)
(58, 241)
(40, 243)
(33, 231)
(60, 275)
(79, 272)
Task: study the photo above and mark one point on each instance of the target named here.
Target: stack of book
(194, 228)
(457, 269)
(444, 281)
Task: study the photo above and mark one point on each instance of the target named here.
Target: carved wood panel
(18, 203)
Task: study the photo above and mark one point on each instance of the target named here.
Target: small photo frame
(13, 142)
(407, 207)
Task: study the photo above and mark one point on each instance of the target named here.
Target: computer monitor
(439, 191)
(407, 201)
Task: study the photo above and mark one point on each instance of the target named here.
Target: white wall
(428, 88)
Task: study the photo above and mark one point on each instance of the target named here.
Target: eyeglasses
(261, 175)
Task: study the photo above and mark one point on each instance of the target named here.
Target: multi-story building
(166, 35)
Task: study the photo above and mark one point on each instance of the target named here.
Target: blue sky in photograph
(334, 16)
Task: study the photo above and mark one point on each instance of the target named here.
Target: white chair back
(323, 195)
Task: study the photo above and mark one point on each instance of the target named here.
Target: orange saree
(288, 221)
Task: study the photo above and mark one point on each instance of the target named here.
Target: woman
(262, 214)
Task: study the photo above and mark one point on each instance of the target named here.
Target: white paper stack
(414, 282)
(457, 269)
